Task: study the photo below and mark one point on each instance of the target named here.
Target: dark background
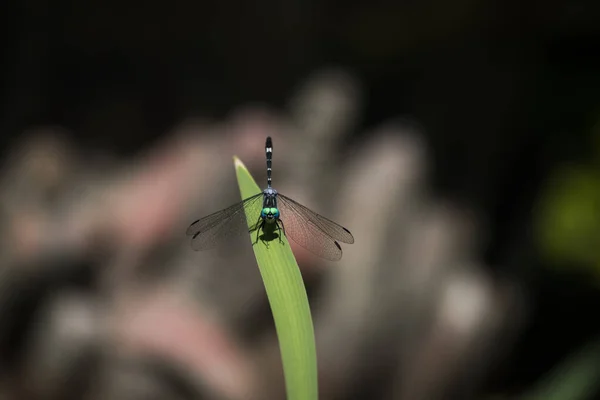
(506, 91)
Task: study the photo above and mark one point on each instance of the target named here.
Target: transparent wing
(312, 231)
(327, 226)
(216, 228)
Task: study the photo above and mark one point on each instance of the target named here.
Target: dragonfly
(275, 214)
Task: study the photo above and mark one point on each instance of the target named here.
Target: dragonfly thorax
(269, 198)
(270, 192)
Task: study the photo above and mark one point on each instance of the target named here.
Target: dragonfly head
(270, 214)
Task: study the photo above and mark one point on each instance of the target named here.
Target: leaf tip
(238, 163)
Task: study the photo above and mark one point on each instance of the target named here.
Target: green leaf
(289, 303)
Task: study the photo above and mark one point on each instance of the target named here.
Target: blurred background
(459, 142)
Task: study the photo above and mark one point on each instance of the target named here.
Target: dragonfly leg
(255, 226)
(258, 227)
(283, 226)
(279, 234)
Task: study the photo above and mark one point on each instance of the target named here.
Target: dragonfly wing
(305, 229)
(310, 237)
(217, 228)
(327, 226)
